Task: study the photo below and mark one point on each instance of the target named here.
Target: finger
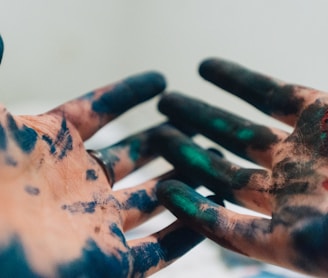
(139, 203)
(161, 249)
(127, 155)
(247, 187)
(1, 49)
(93, 110)
(247, 235)
(240, 136)
(278, 99)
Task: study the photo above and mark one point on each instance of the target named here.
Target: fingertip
(206, 67)
(167, 100)
(146, 85)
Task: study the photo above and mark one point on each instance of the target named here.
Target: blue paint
(94, 263)
(3, 138)
(129, 93)
(25, 137)
(64, 140)
(13, 262)
(142, 201)
(91, 175)
(172, 246)
(114, 229)
(81, 207)
(49, 141)
(32, 190)
(310, 240)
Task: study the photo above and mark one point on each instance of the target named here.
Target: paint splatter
(91, 175)
(63, 142)
(49, 141)
(81, 207)
(32, 190)
(142, 201)
(25, 137)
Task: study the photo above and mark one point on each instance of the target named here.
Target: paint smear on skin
(245, 134)
(183, 203)
(172, 246)
(142, 201)
(3, 138)
(13, 262)
(32, 190)
(128, 93)
(196, 157)
(95, 263)
(220, 124)
(114, 229)
(49, 141)
(63, 142)
(25, 137)
(81, 207)
(91, 175)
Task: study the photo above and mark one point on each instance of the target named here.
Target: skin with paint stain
(59, 215)
(290, 186)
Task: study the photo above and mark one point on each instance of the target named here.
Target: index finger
(93, 110)
(281, 100)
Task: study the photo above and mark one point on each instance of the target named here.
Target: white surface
(56, 50)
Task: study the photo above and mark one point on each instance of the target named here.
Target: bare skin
(291, 186)
(59, 215)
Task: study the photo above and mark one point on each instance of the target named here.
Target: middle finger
(240, 136)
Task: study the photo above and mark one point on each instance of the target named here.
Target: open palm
(290, 186)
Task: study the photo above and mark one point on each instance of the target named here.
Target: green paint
(196, 157)
(245, 134)
(184, 204)
(220, 124)
(323, 135)
(189, 203)
(134, 151)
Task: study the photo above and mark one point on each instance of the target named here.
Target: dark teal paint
(129, 93)
(172, 246)
(25, 137)
(91, 175)
(3, 138)
(140, 200)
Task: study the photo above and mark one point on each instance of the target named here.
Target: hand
(291, 187)
(59, 215)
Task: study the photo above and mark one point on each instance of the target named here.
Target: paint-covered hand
(59, 215)
(290, 187)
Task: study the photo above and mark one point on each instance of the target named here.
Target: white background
(57, 50)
